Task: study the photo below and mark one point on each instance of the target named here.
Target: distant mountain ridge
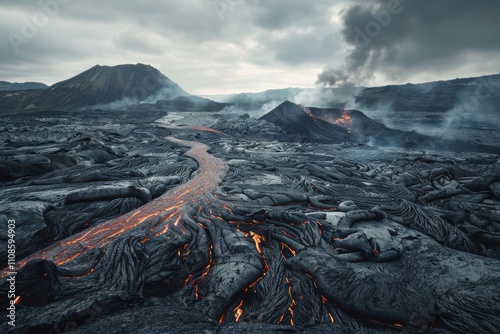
(14, 86)
(143, 87)
(439, 96)
(100, 87)
(106, 86)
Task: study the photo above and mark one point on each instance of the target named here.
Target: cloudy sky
(229, 46)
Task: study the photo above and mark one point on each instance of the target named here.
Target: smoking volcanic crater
(217, 223)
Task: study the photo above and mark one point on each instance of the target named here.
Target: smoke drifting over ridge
(398, 39)
(476, 107)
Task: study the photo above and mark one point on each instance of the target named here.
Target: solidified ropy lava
(266, 261)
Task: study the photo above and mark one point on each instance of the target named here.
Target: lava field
(130, 222)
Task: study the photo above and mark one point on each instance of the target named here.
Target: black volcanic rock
(333, 125)
(14, 86)
(294, 119)
(248, 126)
(121, 229)
(101, 87)
(363, 129)
(330, 125)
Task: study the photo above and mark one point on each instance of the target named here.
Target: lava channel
(152, 219)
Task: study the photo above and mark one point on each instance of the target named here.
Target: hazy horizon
(233, 46)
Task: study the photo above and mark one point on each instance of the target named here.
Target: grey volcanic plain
(145, 219)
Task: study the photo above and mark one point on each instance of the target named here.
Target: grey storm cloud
(398, 38)
(194, 41)
(283, 14)
(251, 45)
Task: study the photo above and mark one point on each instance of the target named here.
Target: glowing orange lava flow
(308, 112)
(203, 128)
(153, 218)
(345, 121)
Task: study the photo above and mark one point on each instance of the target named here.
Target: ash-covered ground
(210, 223)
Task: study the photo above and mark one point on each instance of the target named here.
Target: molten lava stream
(169, 208)
(345, 121)
(203, 128)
